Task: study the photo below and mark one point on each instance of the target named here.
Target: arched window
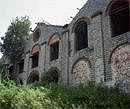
(81, 36)
(20, 81)
(35, 55)
(54, 46)
(21, 66)
(11, 70)
(33, 77)
(35, 60)
(119, 16)
(54, 75)
(36, 35)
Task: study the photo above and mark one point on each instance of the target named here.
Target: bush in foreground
(54, 96)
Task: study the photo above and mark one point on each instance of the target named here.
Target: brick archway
(81, 72)
(54, 38)
(54, 74)
(36, 48)
(33, 77)
(108, 8)
(120, 64)
(82, 19)
(36, 35)
(118, 11)
(54, 44)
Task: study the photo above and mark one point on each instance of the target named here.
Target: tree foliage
(15, 38)
(3, 71)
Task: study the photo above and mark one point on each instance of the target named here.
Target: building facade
(95, 46)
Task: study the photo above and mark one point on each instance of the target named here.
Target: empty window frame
(35, 79)
(35, 59)
(54, 51)
(21, 66)
(11, 70)
(36, 35)
(54, 76)
(119, 17)
(81, 36)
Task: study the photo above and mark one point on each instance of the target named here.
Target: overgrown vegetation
(59, 96)
(15, 40)
(48, 77)
(55, 96)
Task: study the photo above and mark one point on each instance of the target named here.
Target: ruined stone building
(95, 46)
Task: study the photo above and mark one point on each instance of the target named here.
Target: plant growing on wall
(15, 39)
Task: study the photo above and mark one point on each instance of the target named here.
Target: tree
(15, 39)
(3, 74)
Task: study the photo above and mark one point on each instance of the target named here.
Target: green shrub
(47, 77)
(17, 97)
(59, 96)
(90, 96)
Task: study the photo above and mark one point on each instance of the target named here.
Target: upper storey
(92, 7)
(117, 10)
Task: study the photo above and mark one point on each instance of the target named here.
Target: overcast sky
(56, 12)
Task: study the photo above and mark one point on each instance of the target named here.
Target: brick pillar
(98, 48)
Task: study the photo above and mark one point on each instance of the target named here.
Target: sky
(55, 12)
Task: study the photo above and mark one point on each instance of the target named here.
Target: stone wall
(108, 58)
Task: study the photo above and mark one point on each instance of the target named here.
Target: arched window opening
(35, 55)
(21, 82)
(54, 51)
(33, 77)
(36, 48)
(54, 76)
(54, 46)
(11, 70)
(21, 66)
(119, 16)
(36, 35)
(81, 36)
(35, 59)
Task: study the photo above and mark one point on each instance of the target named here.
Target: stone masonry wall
(107, 57)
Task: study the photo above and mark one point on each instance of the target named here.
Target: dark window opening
(54, 51)
(35, 79)
(36, 35)
(11, 69)
(35, 59)
(21, 82)
(81, 36)
(69, 47)
(119, 16)
(21, 66)
(54, 76)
